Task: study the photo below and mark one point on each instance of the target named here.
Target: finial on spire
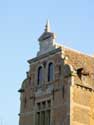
(47, 26)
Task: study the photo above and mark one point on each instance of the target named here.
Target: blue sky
(21, 23)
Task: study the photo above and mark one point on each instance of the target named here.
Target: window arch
(50, 71)
(40, 75)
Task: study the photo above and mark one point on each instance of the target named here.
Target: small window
(43, 105)
(40, 75)
(43, 114)
(50, 72)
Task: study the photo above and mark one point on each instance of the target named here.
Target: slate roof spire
(47, 26)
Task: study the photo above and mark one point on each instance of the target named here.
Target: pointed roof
(47, 32)
(47, 26)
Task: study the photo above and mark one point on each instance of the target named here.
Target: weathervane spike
(47, 27)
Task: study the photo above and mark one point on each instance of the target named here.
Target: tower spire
(47, 40)
(47, 26)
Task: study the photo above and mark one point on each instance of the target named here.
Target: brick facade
(71, 92)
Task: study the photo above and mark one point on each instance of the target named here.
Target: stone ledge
(44, 55)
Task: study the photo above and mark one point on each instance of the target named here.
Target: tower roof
(47, 32)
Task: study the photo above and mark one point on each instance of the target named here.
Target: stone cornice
(86, 87)
(44, 55)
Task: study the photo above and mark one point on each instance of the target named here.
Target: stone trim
(36, 75)
(86, 87)
(44, 55)
(47, 66)
(26, 113)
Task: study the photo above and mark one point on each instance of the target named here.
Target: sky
(21, 24)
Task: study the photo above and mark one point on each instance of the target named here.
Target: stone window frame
(39, 75)
(47, 66)
(36, 75)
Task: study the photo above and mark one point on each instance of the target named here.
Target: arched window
(40, 75)
(50, 72)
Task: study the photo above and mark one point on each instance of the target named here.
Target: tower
(59, 86)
